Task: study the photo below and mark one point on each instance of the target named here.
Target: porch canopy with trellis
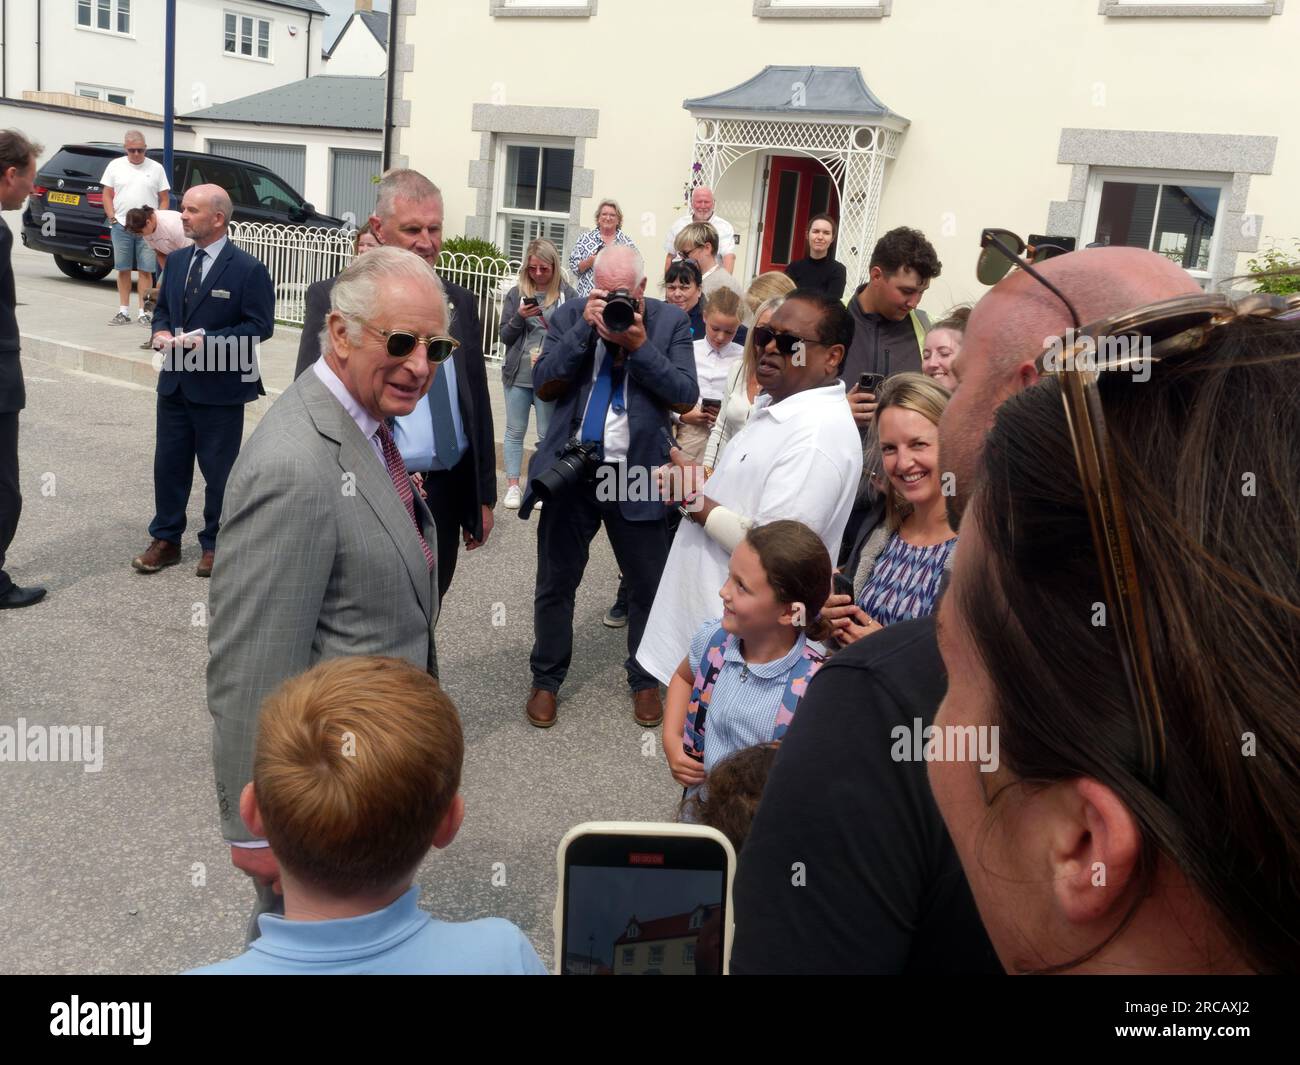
(827, 113)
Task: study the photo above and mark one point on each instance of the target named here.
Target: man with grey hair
(326, 550)
(448, 439)
(614, 385)
(133, 180)
(217, 304)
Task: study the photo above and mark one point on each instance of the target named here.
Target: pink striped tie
(402, 482)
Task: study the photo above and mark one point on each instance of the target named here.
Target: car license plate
(64, 197)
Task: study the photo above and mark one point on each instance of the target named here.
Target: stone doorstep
(139, 371)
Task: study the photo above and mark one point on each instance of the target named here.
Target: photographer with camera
(616, 364)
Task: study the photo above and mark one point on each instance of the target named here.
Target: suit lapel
(214, 274)
(357, 457)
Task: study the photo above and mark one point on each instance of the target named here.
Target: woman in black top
(819, 270)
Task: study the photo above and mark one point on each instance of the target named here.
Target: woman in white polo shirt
(799, 456)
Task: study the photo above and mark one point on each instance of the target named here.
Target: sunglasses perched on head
(400, 343)
(786, 343)
(1127, 343)
(1000, 249)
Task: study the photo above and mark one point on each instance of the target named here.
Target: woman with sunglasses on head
(904, 549)
(607, 234)
(1144, 814)
(526, 313)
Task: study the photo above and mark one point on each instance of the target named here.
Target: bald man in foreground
(217, 304)
(889, 895)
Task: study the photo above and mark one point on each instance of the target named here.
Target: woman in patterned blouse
(608, 232)
(899, 561)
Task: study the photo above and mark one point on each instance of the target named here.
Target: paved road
(97, 870)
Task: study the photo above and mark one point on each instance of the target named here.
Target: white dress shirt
(366, 422)
(799, 459)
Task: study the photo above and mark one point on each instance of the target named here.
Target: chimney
(365, 5)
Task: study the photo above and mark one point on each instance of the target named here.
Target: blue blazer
(660, 379)
(235, 307)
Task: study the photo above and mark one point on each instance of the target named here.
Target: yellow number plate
(64, 197)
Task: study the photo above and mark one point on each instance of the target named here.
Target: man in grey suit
(326, 550)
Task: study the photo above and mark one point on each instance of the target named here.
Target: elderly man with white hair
(702, 211)
(616, 364)
(326, 550)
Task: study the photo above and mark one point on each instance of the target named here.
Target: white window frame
(500, 211)
(1190, 9)
(239, 17)
(843, 9)
(542, 8)
(1098, 176)
(102, 92)
(661, 948)
(629, 956)
(114, 12)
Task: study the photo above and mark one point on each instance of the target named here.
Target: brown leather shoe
(647, 707)
(159, 554)
(205, 565)
(540, 708)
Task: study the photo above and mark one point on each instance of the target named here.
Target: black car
(65, 212)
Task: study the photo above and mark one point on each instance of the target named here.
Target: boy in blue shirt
(356, 776)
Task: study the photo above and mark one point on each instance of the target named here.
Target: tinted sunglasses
(401, 343)
(786, 343)
(1000, 249)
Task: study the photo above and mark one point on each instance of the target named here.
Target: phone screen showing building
(643, 920)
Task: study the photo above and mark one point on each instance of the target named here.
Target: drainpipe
(389, 94)
(307, 72)
(4, 48)
(38, 45)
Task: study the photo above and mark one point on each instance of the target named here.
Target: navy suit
(660, 378)
(202, 391)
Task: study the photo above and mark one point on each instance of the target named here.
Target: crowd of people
(783, 475)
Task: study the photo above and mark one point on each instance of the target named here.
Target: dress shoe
(160, 553)
(18, 597)
(205, 565)
(647, 707)
(540, 708)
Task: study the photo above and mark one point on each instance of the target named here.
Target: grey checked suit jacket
(318, 559)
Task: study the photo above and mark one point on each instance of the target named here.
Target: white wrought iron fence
(297, 257)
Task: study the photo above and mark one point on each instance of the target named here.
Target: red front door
(796, 189)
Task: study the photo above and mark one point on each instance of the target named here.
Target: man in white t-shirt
(799, 456)
(134, 180)
(702, 211)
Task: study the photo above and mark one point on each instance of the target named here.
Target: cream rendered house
(1157, 124)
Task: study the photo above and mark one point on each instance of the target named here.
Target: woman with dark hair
(1143, 811)
(819, 269)
(684, 288)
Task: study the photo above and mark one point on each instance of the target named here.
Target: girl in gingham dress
(744, 674)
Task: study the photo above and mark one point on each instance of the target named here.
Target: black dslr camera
(620, 310)
(577, 464)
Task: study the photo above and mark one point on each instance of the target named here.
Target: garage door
(352, 186)
(289, 161)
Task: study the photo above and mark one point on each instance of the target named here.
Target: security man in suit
(17, 172)
(614, 390)
(326, 550)
(217, 303)
(448, 439)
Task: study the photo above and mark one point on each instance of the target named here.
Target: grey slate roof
(325, 101)
(301, 5)
(375, 21)
(826, 91)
